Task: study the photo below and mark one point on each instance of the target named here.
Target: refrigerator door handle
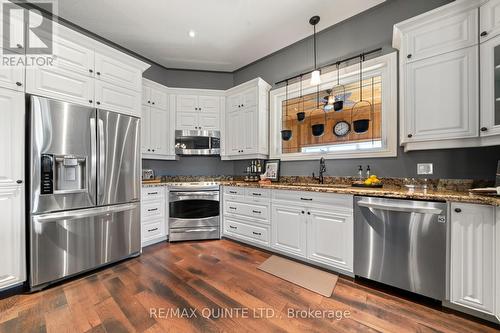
(93, 160)
(79, 214)
(101, 171)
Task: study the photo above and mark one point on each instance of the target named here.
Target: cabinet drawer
(312, 198)
(442, 35)
(234, 190)
(247, 231)
(258, 193)
(153, 193)
(255, 211)
(153, 209)
(152, 230)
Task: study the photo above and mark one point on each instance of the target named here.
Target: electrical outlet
(424, 168)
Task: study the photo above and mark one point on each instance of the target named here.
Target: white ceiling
(229, 33)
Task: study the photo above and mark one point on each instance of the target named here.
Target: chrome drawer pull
(256, 212)
(306, 199)
(150, 230)
(257, 233)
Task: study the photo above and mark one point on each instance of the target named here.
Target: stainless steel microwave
(188, 142)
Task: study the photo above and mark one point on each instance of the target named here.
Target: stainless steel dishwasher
(401, 243)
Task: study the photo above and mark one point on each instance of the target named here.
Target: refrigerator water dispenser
(69, 174)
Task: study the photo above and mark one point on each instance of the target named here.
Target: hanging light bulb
(316, 74)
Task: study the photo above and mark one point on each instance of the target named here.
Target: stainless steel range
(194, 210)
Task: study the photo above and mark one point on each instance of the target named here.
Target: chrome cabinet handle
(256, 212)
(233, 227)
(257, 233)
(154, 229)
(233, 192)
(232, 208)
(152, 193)
(152, 209)
(306, 199)
(257, 194)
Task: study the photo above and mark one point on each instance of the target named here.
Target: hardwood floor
(142, 295)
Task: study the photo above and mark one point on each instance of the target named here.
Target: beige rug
(305, 276)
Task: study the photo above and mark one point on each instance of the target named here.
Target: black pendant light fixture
(338, 89)
(361, 125)
(319, 128)
(302, 114)
(286, 134)
(315, 74)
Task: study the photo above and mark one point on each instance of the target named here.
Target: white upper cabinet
(442, 34)
(12, 262)
(490, 87)
(195, 111)
(442, 97)
(111, 97)
(116, 71)
(489, 20)
(73, 51)
(473, 256)
(157, 125)
(246, 125)
(12, 77)
(16, 35)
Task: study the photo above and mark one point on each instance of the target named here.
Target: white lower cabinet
(289, 229)
(473, 257)
(154, 216)
(330, 238)
(314, 227)
(12, 234)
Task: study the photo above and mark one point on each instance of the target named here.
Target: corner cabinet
(12, 218)
(473, 257)
(245, 131)
(440, 74)
(157, 123)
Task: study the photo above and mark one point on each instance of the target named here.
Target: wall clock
(342, 128)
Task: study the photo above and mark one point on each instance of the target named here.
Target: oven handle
(195, 194)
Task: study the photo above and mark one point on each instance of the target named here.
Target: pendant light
(302, 114)
(338, 89)
(319, 128)
(286, 134)
(315, 75)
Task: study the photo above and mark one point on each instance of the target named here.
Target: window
(364, 130)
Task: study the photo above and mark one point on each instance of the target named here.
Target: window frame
(386, 67)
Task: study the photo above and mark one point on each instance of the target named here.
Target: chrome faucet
(322, 170)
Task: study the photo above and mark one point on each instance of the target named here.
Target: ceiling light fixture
(315, 75)
(192, 33)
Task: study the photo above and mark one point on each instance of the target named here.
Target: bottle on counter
(360, 173)
(368, 171)
(259, 167)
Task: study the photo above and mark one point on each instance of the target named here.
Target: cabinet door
(116, 72)
(490, 87)
(12, 221)
(146, 95)
(234, 102)
(146, 130)
(111, 97)
(209, 104)
(249, 97)
(208, 121)
(159, 131)
(249, 130)
(234, 137)
(186, 103)
(71, 54)
(16, 33)
(445, 34)
(472, 256)
(489, 20)
(158, 98)
(330, 238)
(12, 77)
(289, 229)
(60, 84)
(187, 121)
(442, 97)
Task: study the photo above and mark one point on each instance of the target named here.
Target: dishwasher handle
(401, 208)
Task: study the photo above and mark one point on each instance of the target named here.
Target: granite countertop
(387, 191)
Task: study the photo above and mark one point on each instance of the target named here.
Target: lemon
(373, 177)
(368, 182)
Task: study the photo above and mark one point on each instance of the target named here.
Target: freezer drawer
(401, 243)
(67, 243)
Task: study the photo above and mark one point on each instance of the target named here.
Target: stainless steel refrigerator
(84, 166)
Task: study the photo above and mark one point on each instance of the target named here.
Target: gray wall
(191, 166)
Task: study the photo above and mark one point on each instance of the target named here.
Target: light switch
(424, 169)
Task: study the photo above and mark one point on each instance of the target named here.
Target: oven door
(194, 209)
